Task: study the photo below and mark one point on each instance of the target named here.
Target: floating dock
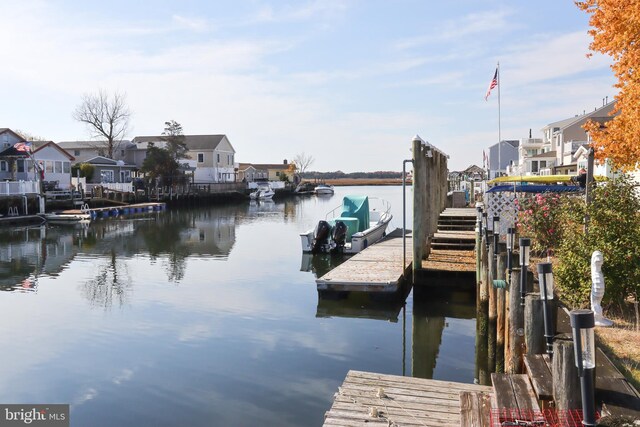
(388, 400)
(377, 268)
(112, 211)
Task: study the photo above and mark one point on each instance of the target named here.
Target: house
(54, 162)
(566, 136)
(85, 150)
(249, 173)
(213, 155)
(276, 171)
(109, 171)
(501, 155)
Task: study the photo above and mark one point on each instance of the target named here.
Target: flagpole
(499, 132)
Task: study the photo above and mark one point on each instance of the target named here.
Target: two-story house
(212, 155)
(501, 155)
(566, 136)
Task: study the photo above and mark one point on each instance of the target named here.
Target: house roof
(598, 112)
(193, 142)
(473, 169)
(512, 142)
(105, 161)
(71, 145)
(245, 166)
(279, 166)
(39, 145)
(3, 130)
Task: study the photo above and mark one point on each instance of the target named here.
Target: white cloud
(195, 24)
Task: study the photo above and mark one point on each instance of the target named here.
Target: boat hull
(359, 241)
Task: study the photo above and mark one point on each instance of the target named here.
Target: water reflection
(360, 305)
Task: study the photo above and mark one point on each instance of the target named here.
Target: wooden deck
(378, 268)
(450, 260)
(368, 399)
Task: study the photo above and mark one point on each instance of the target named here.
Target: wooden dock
(388, 400)
(377, 268)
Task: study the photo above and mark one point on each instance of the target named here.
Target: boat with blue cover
(361, 222)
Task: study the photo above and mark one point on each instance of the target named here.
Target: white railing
(125, 187)
(12, 188)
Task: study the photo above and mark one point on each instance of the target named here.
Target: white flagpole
(499, 131)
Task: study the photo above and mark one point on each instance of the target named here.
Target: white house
(213, 155)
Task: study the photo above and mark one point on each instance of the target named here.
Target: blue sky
(349, 82)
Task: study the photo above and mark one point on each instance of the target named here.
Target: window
(48, 166)
(20, 164)
(76, 152)
(277, 173)
(218, 157)
(29, 165)
(58, 167)
(122, 153)
(534, 166)
(125, 176)
(4, 167)
(106, 176)
(200, 157)
(66, 167)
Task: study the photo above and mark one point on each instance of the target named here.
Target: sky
(348, 82)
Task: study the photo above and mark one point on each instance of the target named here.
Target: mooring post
(516, 326)
(482, 318)
(419, 186)
(500, 303)
(493, 311)
(534, 325)
(566, 380)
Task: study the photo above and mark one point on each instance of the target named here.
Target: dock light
(583, 324)
(525, 246)
(479, 210)
(496, 234)
(545, 275)
(511, 240)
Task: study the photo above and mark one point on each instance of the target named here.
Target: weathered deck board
(377, 399)
(450, 260)
(377, 268)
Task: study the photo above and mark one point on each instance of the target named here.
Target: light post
(545, 276)
(583, 324)
(486, 228)
(496, 234)
(479, 210)
(525, 246)
(511, 240)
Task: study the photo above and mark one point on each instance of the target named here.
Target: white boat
(356, 227)
(66, 218)
(323, 189)
(263, 192)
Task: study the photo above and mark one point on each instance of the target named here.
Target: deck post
(493, 311)
(516, 327)
(419, 186)
(482, 302)
(534, 325)
(566, 380)
(500, 303)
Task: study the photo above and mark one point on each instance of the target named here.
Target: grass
(621, 343)
(364, 181)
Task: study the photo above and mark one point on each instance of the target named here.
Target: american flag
(22, 146)
(494, 83)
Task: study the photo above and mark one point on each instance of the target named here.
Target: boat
(263, 192)
(356, 227)
(323, 189)
(66, 218)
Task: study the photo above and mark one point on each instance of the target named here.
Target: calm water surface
(205, 317)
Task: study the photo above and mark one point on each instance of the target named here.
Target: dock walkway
(383, 400)
(377, 268)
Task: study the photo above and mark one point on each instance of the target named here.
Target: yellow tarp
(544, 179)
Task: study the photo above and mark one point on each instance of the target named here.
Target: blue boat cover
(356, 207)
(535, 188)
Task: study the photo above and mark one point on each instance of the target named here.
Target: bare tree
(28, 136)
(106, 117)
(303, 162)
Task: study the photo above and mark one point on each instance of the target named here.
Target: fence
(13, 188)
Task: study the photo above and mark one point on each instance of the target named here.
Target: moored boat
(66, 218)
(263, 192)
(322, 189)
(356, 227)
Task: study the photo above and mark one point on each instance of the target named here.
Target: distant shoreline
(340, 182)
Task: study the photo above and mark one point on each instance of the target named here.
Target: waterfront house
(566, 136)
(107, 171)
(249, 173)
(213, 155)
(276, 171)
(501, 155)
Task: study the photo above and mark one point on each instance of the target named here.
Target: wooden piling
(493, 312)
(566, 381)
(534, 325)
(500, 305)
(514, 362)
(482, 310)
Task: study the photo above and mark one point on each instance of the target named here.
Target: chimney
(607, 98)
(529, 133)
(284, 162)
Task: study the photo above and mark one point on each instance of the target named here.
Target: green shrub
(614, 229)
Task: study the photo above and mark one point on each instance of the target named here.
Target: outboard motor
(339, 236)
(320, 235)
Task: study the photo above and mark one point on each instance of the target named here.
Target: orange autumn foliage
(616, 32)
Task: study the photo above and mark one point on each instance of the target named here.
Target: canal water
(206, 317)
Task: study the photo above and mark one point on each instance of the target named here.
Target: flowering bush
(539, 219)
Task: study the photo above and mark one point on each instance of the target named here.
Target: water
(203, 317)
